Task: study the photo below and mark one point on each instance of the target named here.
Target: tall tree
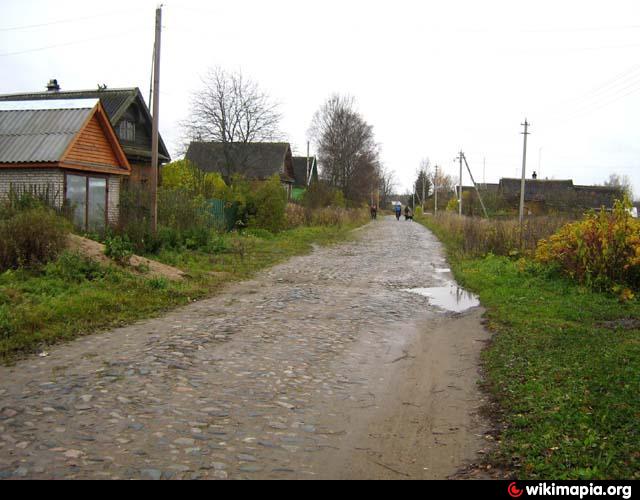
(347, 151)
(620, 181)
(232, 110)
(422, 186)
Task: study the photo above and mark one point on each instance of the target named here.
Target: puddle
(451, 298)
(443, 271)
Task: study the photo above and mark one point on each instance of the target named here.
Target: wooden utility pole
(308, 163)
(435, 191)
(460, 157)
(156, 123)
(524, 171)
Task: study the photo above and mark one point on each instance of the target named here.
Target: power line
(67, 21)
(67, 44)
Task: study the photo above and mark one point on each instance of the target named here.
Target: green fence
(223, 214)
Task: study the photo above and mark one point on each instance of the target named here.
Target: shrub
(601, 251)
(74, 268)
(268, 203)
(32, 237)
(119, 249)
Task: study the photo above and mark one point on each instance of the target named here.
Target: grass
(564, 367)
(73, 297)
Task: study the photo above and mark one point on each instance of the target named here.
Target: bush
(74, 268)
(119, 249)
(32, 237)
(601, 251)
(268, 203)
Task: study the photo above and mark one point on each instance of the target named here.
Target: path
(322, 367)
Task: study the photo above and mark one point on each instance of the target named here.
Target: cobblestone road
(322, 367)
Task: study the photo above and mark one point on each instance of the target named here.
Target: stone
(73, 454)
(184, 442)
(247, 458)
(152, 474)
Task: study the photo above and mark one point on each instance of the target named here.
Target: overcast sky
(432, 77)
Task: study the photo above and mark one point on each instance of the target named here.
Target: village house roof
(116, 103)
(49, 135)
(257, 160)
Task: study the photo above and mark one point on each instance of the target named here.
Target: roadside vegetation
(50, 294)
(564, 364)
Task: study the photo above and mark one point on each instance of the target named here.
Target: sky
(433, 78)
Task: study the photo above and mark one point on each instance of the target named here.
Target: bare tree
(347, 151)
(621, 181)
(232, 110)
(387, 185)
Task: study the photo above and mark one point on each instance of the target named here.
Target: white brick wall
(53, 180)
(113, 212)
(25, 178)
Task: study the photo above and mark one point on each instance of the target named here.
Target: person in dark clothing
(398, 211)
(374, 212)
(408, 214)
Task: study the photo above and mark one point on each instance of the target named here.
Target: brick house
(67, 148)
(128, 114)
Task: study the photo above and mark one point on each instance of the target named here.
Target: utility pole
(526, 133)
(156, 123)
(435, 191)
(308, 163)
(460, 157)
(476, 187)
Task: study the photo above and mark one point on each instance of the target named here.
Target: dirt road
(322, 367)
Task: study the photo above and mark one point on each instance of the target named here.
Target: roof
(300, 169)
(257, 160)
(39, 135)
(114, 101)
(52, 135)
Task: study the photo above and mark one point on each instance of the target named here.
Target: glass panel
(76, 198)
(97, 204)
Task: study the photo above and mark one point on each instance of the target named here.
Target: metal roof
(38, 135)
(48, 105)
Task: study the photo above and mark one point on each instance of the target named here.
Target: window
(127, 131)
(87, 197)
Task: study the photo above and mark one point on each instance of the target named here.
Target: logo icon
(514, 491)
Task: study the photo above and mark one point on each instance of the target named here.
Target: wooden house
(128, 115)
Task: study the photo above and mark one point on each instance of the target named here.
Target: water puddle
(451, 298)
(443, 271)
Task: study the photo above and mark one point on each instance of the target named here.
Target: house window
(87, 197)
(127, 131)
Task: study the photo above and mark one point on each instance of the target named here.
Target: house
(542, 196)
(68, 148)
(128, 114)
(305, 172)
(255, 160)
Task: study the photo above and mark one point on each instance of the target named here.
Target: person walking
(398, 211)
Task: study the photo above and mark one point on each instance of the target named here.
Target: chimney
(53, 86)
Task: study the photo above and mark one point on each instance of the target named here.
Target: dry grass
(477, 237)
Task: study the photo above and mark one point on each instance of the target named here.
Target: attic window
(127, 131)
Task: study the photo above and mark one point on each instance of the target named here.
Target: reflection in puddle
(451, 298)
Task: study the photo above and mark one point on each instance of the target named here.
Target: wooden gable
(96, 148)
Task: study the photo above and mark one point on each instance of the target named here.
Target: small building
(305, 173)
(128, 114)
(68, 148)
(256, 161)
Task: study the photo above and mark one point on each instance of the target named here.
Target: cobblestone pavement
(322, 367)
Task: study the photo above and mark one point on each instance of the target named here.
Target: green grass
(564, 369)
(73, 297)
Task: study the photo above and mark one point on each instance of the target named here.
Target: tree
(620, 181)
(387, 185)
(231, 110)
(422, 186)
(185, 176)
(347, 151)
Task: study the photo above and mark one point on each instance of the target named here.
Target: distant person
(374, 212)
(535, 175)
(398, 211)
